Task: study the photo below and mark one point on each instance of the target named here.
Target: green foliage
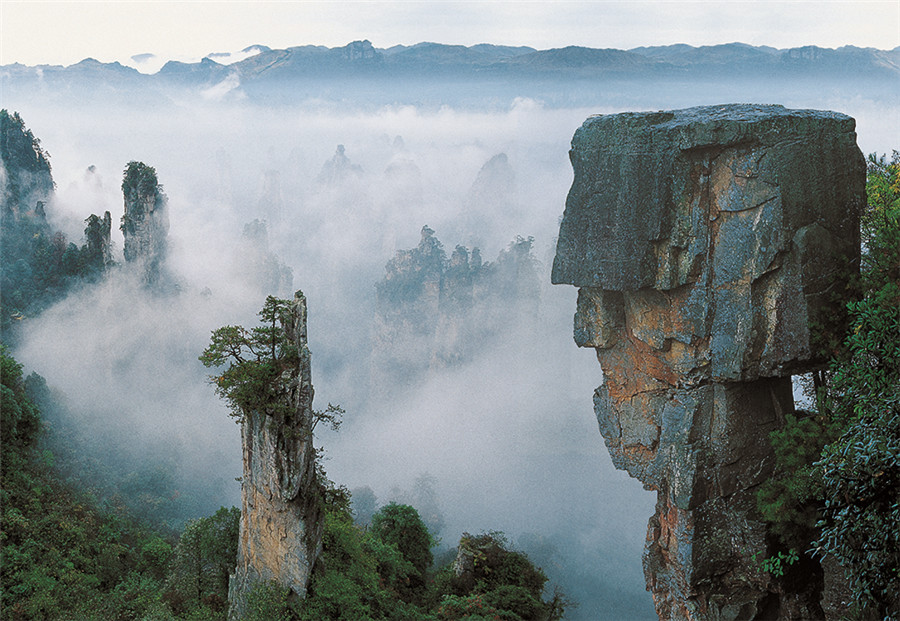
(861, 522)
(777, 563)
(268, 601)
(202, 561)
(19, 417)
(37, 264)
(409, 271)
(837, 483)
(791, 500)
(62, 557)
(517, 600)
(401, 526)
(38, 267)
(332, 416)
(861, 468)
(382, 573)
(470, 608)
(879, 225)
(139, 178)
(256, 359)
(27, 164)
(95, 255)
(492, 581)
(358, 576)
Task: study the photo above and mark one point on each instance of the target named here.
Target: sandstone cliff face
(704, 243)
(145, 223)
(281, 525)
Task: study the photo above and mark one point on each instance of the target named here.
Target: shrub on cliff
(202, 561)
(27, 163)
(488, 580)
(401, 526)
(838, 479)
(358, 576)
(37, 264)
(861, 469)
(255, 359)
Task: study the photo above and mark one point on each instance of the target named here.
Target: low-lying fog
(509, 439)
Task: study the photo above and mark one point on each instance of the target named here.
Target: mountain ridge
(427, 55)
(436, 74)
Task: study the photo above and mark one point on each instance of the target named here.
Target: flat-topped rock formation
(705, 243)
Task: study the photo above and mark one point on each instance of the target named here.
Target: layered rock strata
(281, 523)
(705, 242)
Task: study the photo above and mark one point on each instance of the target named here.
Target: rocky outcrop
(492, 202)
(145, 223)
(98, 247)
(281, 523)
(433, 312)
(271, 200)
(338, 169)
(26, 183)
(38, 265)
(705, 242)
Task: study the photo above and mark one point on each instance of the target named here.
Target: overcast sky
(65, 32)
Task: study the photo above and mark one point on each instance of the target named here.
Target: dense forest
(81, 539)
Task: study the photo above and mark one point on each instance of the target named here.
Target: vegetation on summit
(255, 360)
(383, 571)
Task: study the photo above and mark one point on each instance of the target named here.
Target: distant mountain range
(266, 70)
(426, 58)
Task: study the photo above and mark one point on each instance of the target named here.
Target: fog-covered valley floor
(505, 440)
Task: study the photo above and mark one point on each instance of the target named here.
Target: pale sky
(65, 32)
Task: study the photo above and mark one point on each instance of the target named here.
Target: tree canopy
(255, 360)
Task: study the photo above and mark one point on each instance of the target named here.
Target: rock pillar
(281, 523)
(705, 242)
(145, 223)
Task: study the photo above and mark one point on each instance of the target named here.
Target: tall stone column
(705, 242)
(145, 223)
(281, 521)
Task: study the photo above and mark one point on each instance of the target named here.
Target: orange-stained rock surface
(705, 242)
